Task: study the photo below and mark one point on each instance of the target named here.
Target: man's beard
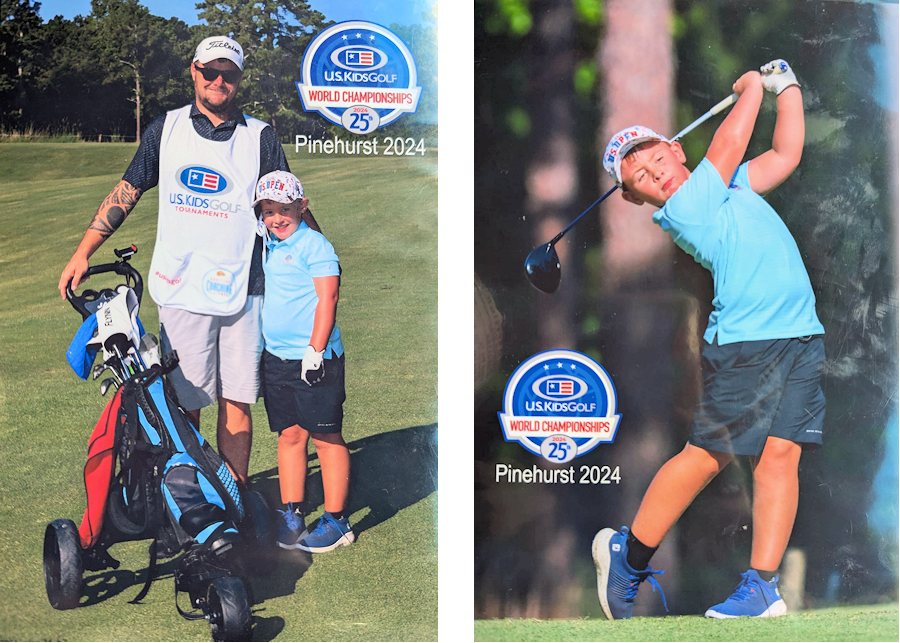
(223, 109)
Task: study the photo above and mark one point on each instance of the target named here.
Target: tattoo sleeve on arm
(115, 207)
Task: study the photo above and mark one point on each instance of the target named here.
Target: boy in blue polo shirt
(763, 351)
(303, 364)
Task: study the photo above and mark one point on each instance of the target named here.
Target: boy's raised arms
(731, 139)
(768, 170)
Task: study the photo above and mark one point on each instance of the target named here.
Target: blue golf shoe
(753, 597)
(617, 582)
(290, 529)
(329, 533)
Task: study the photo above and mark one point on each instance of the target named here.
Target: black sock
(639, 555)
(297, 508)
(766, 576)
(337, 515)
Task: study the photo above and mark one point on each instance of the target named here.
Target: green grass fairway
(868, 623)
(381, 215)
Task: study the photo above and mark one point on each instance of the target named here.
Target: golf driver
(542, 264)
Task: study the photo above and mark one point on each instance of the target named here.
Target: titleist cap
(216, 47)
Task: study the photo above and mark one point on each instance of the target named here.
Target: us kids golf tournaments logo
(359, 75)
(202, 180)
(559, 404)
(203, 192)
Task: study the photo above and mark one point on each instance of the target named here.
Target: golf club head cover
(117, 322)
(80, 356)
(149, 349)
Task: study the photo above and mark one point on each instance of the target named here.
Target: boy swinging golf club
(763, 351)
(542, 264)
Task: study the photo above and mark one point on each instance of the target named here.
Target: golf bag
(151, 475)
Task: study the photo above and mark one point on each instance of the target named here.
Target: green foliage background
(78, 76)
(840, 206)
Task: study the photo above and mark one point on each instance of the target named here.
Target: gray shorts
(753, 390)
(218, 356)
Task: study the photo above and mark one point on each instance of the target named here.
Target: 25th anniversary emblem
(359, 75)
(559, 404)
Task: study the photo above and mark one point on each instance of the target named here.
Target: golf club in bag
(151, 475)
(542, 264)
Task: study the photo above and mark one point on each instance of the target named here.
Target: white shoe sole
(778, 608)
(343, 541)
(302, 535)
(600, 553)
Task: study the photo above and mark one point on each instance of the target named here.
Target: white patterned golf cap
(623, 141)
(279, 186)
(216, 47)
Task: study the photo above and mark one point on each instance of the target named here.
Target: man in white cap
(206, 273)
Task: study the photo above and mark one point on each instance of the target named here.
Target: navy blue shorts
(753, 390)
(289, 400)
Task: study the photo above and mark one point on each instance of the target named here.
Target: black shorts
(753, 390)
(289, 400)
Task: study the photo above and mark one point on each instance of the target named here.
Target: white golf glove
(777, 76)
(312, 369)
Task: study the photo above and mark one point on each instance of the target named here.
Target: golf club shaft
(123, 364)
(139, 361)
(718, 107)
(576, 219)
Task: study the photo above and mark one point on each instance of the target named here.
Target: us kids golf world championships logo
(559, 404)
(359, 75)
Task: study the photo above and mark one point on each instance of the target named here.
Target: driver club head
(542, 268)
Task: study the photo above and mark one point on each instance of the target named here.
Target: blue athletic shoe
(753, 597)
(290, 529)
(617, 582)
(329, 534)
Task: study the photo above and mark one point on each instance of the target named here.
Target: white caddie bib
(206, 228)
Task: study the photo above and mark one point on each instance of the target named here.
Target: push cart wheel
(62, 564)
(257, 531)
(228, 609)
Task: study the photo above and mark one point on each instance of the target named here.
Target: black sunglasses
(230, 76)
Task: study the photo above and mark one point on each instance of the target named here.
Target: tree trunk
(552, 177)
(641, 312)
(137, 103)
(636, 56)
(137, 99)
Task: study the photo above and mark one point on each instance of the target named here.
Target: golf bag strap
(188, 616)
(151, 572)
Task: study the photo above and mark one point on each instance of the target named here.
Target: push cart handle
(89, 301)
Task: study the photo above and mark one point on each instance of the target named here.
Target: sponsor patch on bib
(218, 285)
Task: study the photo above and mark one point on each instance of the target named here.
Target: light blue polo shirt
(762, 289)
(289, 306)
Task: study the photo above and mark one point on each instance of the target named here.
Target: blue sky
(384, 12)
